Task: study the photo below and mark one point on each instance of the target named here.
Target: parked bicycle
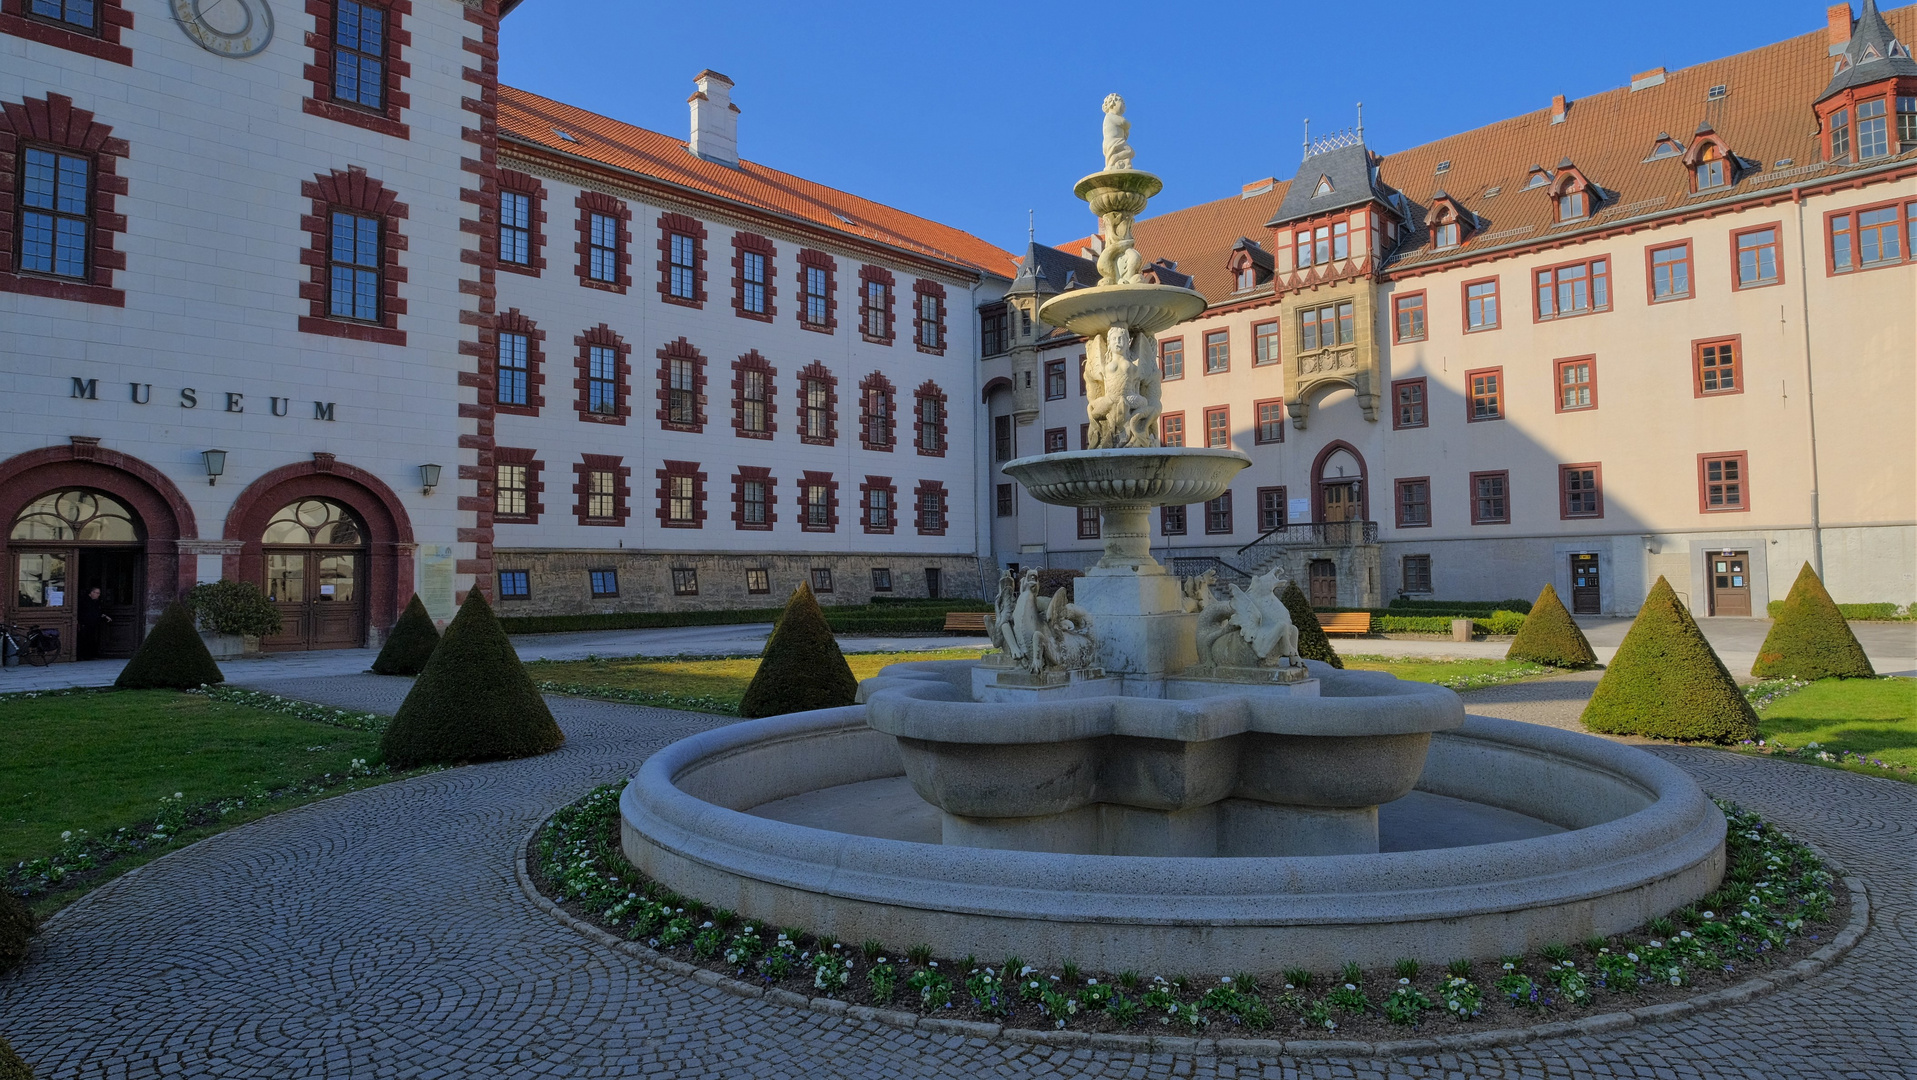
(38, 645)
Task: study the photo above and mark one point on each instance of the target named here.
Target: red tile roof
(528, 118)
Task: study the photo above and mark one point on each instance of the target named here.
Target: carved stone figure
(1252, 628)
(1121, 389)
(1197, 590)
(1118, 150)
(999, 628)
(1040, 636)
(1065, 640)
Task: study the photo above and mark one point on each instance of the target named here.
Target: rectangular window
(355, 264)
(881, 579)
(758, 582)
(1171, 429)
(514, 369)
(1171, 520)
(994, 328)
(515, 228)
(1084, 436)
(1414, 502)
(602, 380)
(1907, 123)
(815, 420)
(1873, 129)
(1088, 523)
(359, 54)
(931, 510)
(1481, 305)
(878, 418)
(1446, 235)
(1718, 366)
(1577, 383)
(1407, 317)
(1218, 514)
(878, 508)
(1007, 502)
(1671, 272)
(679, 500)
(1490, 498)
(752, 508)
(1865, 239)
(815, 295)
(821, 579)
(752, 401)
(56, 228)
(931, 321)
(1417, 573)
(76, 14)
(1271, 421)
(1055, 440)
(1217, 351)
(1757, 262)
(1218, 427)
(1054, 380)
(752, 282)
(1721, 482)
(931, 424)
(509, 490)
(1264, 343)
(682, 395)
(1572, 205)
(605, 583)
(1002, 444)
(683, 282)
(1574, 289)
(601, 495)
(1408, 400)
(1487, 397)
(1324, 327)
(1580, 494)
(878, 301)
(514, 584)
(1171, 358)
(685, 581)
(603, 244)
(818, 507)
(1840, 135)
(1271, 509)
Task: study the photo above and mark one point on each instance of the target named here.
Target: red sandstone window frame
(681, 351)
(1689, 262)
(621, 489)
(744, 243)
(744, 475)
(670, 472)
(1258, 413)
(1742, 479)
(921, 290)
(751, 361)
(1263, 332)
(54, 124)
(603, 336)
(513, 322)
(1497, 304)
(671, 225)
(110, 17)
(1557, 383)
(818, 372)
(1564, 491)
(1423, 404)
(1504, 477)
(394, 100)
(811, 259)
(869, 388)
(931, 494)
(823, 480)
(1420, 312)
(1471, 396)
(527, 459)
(869, 276)
(352, 191)
(891, 521)
(518, 183)
(1776, 246)
(934, 446)
(1218, 427)
(592, 202)
(1903, 228)
(1736, 344)
(1399, 487)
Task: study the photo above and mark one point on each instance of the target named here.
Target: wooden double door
(320, 594)
(51, 584)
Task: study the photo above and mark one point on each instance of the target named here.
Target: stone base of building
(561, 582)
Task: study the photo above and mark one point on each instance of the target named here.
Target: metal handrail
(1318, 532)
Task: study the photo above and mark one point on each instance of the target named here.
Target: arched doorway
(67, 543)
(1340, 498)
(315, 556)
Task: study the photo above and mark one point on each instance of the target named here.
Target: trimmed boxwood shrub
(802, 667)
(1550, 636)
(234, 607)
(1810, 639)
(1883, 612)
(473, 702)
(1459, 608)
(11, 1067)
(1312, 642)
(16, 931)
(1667, 683)
(410, 644)
(172, 657)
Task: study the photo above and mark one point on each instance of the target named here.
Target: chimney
(715, 119)
(1645, 79)
(1557, 109)
(1839, 18)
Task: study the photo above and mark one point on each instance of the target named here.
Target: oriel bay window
(56, 223)
(1323, 244)
(1867, 238)
(1578, 288)
(1324, 327)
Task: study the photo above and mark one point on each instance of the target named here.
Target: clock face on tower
(236, 28)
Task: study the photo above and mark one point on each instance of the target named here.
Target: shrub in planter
(1666, 682)
(1551, 636)
(234, 607)
(1312, 642)
(16, 931)
(171, 657)
(473, 702)
(1810, 639)
(802, 667)
(11, 1067)
(411, 643)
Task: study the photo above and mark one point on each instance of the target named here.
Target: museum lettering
(228, 401)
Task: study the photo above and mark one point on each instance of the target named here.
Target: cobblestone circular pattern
(383, 933)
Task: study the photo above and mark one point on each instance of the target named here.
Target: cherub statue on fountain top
(1118, 147)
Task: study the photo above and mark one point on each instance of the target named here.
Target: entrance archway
(80, 516)
(1340, 490)
(318, 525)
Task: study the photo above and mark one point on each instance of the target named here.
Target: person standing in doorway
(92, 616)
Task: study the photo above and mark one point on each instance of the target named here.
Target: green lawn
(706, 685)
(1876, 718)
(1456, 674)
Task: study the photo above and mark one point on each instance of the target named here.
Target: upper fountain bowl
(1143, 309)
(1149, 475)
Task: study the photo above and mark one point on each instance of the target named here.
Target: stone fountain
(1146, 773)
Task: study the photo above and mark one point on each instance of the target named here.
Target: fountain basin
(1129, 476)
(1142, 308)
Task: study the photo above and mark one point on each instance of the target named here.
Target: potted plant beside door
(233, 616)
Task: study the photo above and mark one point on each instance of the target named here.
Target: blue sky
(974, 113)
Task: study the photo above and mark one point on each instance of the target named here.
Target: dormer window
(1709, 172)
(1573, 206)
(1448, 224)
(1576, 197)
(1247, 278)
(1446, 235)
(1666, 147)
(1250, 265)
(1539, 177)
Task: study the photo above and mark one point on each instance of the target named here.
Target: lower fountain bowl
(1149, 476)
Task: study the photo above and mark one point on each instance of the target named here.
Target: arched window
(77, 515)
(315, 522)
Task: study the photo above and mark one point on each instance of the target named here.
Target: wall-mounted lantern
(429, 477)
(215, 465)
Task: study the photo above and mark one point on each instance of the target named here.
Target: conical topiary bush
(1551, 636)
(1312, 642)
(802, 667)
(16, 931)
(11, 1067)
(410, 644)
(1667, 683)
(474, 701)
(1810, 639)
(171, 657)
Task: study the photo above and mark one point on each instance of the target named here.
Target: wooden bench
(1345, 622)
(965, 622)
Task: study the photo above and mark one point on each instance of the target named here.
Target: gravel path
(381, 933)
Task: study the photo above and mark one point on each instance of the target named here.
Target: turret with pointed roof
(1872, 55)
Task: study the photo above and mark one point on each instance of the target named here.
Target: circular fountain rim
(1148, 308)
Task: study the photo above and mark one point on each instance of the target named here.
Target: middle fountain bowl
(1143, 475)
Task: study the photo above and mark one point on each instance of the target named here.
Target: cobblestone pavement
(381, 933)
